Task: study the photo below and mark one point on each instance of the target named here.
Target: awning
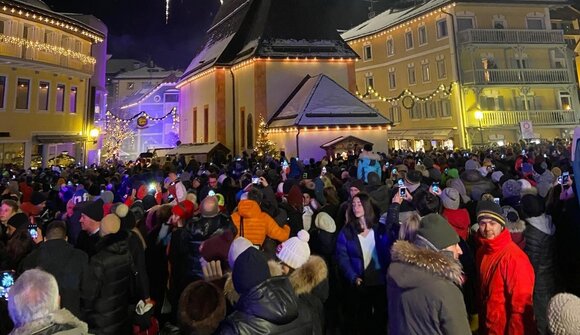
(45, 139)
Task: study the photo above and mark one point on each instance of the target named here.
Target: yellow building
(46, 63)
(456, 74)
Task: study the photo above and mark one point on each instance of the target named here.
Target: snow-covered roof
(146, 72)
(390, 18)
(36, 3)
(320, 101)
(196, 148)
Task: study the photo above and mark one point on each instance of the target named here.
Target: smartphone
(545, 156)
(402, 192)
(502, 156)
(523, 152)
(323, 170)
(496, 200)
(211, 193)
(401, 182)
(446, 170)
(435, 187)
(255, 180)
(152, 187)
(387, 165)
(394, 171)
(305, 175)
(6, 282)
(32, 230)
(565, 177)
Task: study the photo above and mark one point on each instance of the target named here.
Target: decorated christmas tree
(264, 147)
(116, 132)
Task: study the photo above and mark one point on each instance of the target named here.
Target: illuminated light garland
(52, 21)
(167, 11)
(386, 29)
(441, 89)
(18, 41)
(153, 91)
(327, 128)
(171, 113)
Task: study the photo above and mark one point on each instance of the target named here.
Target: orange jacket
(258, 224)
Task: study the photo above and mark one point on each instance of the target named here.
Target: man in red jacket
(506, 277)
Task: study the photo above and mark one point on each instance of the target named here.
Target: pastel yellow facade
(45, 67)
(499, 64)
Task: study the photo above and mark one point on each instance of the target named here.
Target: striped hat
(490, 210)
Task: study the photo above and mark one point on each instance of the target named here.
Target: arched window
(250, 132)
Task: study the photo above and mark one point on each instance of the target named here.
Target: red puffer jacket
(506, 280)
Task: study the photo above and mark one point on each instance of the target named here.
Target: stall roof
(197, 148)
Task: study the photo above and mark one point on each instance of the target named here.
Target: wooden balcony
(513, 118)
(517, 76)
(510, 36)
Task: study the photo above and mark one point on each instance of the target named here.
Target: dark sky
(137, 28)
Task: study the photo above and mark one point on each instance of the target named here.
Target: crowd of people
(438, 242)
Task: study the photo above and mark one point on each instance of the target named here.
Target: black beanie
(36, 198)
(18, 221)
(94, 210)
(435, 229)
(250, 270)
(148, 202)
(489, 209)
(532, 206)
(414, 176)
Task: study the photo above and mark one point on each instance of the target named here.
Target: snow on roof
(147, 72)
(390, 18)
(320, 101)
(311, 48)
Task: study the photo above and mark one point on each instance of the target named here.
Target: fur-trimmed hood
(60, 317)
(430, 261)
(516, 227)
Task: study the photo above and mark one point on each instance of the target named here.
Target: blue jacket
(367, 164)
(349, 253)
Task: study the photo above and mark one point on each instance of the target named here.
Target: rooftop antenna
(371, 7)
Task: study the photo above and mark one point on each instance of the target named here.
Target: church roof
(244, 29)
(320, 101)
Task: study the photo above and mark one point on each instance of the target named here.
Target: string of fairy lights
(53, 49)
(440, 90)
(172, 113)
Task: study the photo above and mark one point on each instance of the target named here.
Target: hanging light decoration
(167, 11)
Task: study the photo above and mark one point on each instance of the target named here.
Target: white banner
(527, 130)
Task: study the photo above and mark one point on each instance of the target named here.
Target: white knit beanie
(238, 246)
(564, 314)
(295, 251)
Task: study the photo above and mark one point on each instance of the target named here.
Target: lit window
(426, 74)
(43, 94)
(60, 97)
(22, 93)
(73, 99)
(442, 31)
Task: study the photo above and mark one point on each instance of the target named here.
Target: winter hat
(209, 207)
(184, 209)
(511, 188)
(510, 214)
(532, 206)
(18, 221)
(489, 209)
(325, 222)
(428, 162)
(107, 197)
(358, 184)
(142, 192)
(435, 229)
(423, 170)
(138, 210)
(295, 197)
(450, 198)
(148, 202)
(202, 306)
(37, 198)
(120, 210)
(526, 186)
(239, 245)
(110, 224)
(250, 270)
(564, 314)
(457, 184)
(288, 185)
(496, 176)
(414, 177)
(557, 172)
(471, 165)
(80, 196)
(216, 247)
(94, 210)
(373, 179)
(483, 171)
(295, 251)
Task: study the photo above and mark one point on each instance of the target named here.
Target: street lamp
(478, 117)
(94, 135)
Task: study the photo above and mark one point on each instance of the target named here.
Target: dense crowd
(438, 242)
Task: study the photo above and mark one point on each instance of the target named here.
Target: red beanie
(295, 197)
(142, 192)
(184, 209)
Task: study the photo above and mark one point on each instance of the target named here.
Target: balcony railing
(513, 118)
(511, 36)
(517, 76)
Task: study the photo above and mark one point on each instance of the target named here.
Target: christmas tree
(116, 132)
(264, 147)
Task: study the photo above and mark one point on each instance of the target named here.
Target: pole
(480, 132)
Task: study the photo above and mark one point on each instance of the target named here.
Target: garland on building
(53, 49)
(172, 113)
(264, 147)
(372, 94)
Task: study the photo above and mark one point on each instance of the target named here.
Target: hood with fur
(70, 324)
(515, 227)
(430, 261)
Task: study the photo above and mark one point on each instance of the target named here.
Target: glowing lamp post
(478, 117)
(94, 135)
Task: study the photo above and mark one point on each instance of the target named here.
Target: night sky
(137, 28)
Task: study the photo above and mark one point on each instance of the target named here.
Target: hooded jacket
(61, 322)
(506, 280)
(424, 294)
(473, 179)
(257, 224)
(368, 162)
(271, 307)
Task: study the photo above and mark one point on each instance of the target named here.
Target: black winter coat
(68, 265)
(111, 272)
(272, 307)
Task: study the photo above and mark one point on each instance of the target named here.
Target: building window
(409, 40)
(60, 97)
(390, 47)
(171, 97)
(370, 83)
(368, 52)
(442, 31)
(422, 35)
(412, 77)
(194, 130)
(250, 132)
(3, 27)
(43, 94)
(48, 37)
(444, 108)
(392, 80)
(73, 99)
(441, 70)
(78, 46)
(22, 93)
(395, 114)
(205, 123)
(2, 90)
(425, 71)
(535, 23)
(416, 111)
(464, 23)
(130, 85)
(565, 102)
(430, 110)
